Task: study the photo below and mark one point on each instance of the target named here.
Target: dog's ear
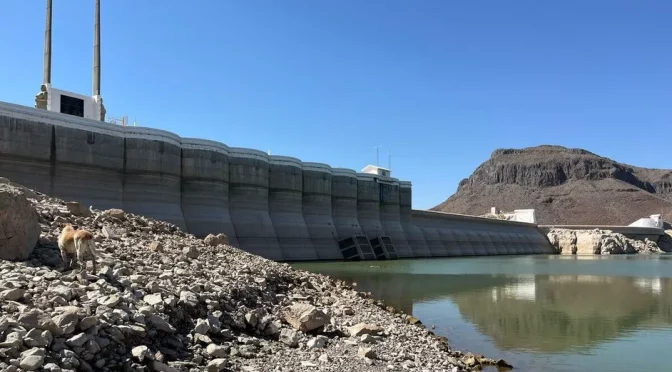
(76, 227)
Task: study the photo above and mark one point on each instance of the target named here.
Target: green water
(540, 313)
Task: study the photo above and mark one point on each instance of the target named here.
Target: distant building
(654, 220)
(380, 171)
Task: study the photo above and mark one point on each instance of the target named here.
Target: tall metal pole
(46, 75)
(96, 52)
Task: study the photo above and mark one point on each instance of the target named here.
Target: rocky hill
(565, 186)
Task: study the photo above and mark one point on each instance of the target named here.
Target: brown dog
(77, 243)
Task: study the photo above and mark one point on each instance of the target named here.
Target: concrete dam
(275, 206)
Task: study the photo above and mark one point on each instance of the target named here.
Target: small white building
(654, 220)
(374, 169)
(89, 107)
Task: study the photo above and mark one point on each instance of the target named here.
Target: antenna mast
(46, 79)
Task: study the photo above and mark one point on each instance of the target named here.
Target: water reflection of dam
(546, 313)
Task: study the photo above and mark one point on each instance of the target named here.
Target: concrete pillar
(476, 243)
(152, 171)
(448, 238)
(414, 235)
(464, 243)
(430, 231)
(368, 205)
(344, 202)
(317, 210)
(285, 205)
(205, 188)
(390, 215)
(490, 248)
(248, 203)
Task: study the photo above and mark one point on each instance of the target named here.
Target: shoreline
(164, 300)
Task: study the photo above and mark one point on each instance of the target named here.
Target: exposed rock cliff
(565, 186)
(598, 241)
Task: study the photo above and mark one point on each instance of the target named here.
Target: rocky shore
(597, 241)
(163, 300)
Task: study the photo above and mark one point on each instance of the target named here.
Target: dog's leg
(80, 255)
(64, 257)
(82, 260)
(92, 248)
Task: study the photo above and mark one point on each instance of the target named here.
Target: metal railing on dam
(278, 207)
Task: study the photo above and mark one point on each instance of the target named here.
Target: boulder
(665, 241)
(77, 209)
(563, 241)
(305, 317)
(590, 241)
(19, 226)
(215, 240)
(290, 337)
(363, 329)
(116, 213)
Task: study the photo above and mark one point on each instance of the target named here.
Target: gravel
(164, 300)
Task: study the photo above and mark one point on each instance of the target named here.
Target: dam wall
(248, 203)
(205, 188)
(152, 174)
(368, 205)
(414, 236)
(317, 210)
(344, 202)
(285, 205)
(449, 234)
(275, 206)
(390, 215)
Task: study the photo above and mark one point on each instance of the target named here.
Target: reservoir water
(540, 313)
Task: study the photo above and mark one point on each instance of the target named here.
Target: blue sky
(440, 84)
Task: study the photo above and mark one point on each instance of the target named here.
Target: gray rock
(160, 324)
(188, 298)
(289, 337)
(77, 340)
(153, 299)
(216, 365)
(52, 367)
(364, 328)
(140, 353)
(251, 319)
(317, 342)
(32, 362)
(367, 339)
(67, 322)
(110, 301)
(36, 338)
(20, 226)
(78, 209)
(12, 294)
(88, 322)
(217, 351)
(191, 252)
(160, 367)
(116, 213)
(202, 327)
(305, 317)
(366, 352)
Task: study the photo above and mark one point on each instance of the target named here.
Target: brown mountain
(565, 186)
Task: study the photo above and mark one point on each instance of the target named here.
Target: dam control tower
(52, 99)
